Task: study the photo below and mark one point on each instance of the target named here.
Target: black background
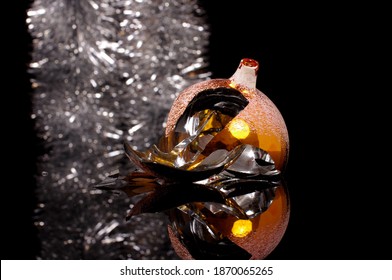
(311, 67)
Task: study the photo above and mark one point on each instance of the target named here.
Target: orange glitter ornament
(267, 128)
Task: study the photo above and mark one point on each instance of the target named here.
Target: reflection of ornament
(217, 172)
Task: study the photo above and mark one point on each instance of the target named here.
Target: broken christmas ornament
(217, 172)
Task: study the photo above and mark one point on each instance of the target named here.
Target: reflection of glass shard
(252, 163)
(202, 242)
(256, 202)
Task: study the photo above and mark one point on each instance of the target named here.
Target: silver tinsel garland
(105, 72)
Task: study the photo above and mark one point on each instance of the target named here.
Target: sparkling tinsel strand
(105, 72)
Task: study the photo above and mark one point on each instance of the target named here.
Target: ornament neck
(246, 73)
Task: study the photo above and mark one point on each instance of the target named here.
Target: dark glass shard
(212, 164)
(171, 196)
(244, 186)
(227, 101)
(133, 184)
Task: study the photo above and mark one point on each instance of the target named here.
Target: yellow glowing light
(241, 228)
(239, 129)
